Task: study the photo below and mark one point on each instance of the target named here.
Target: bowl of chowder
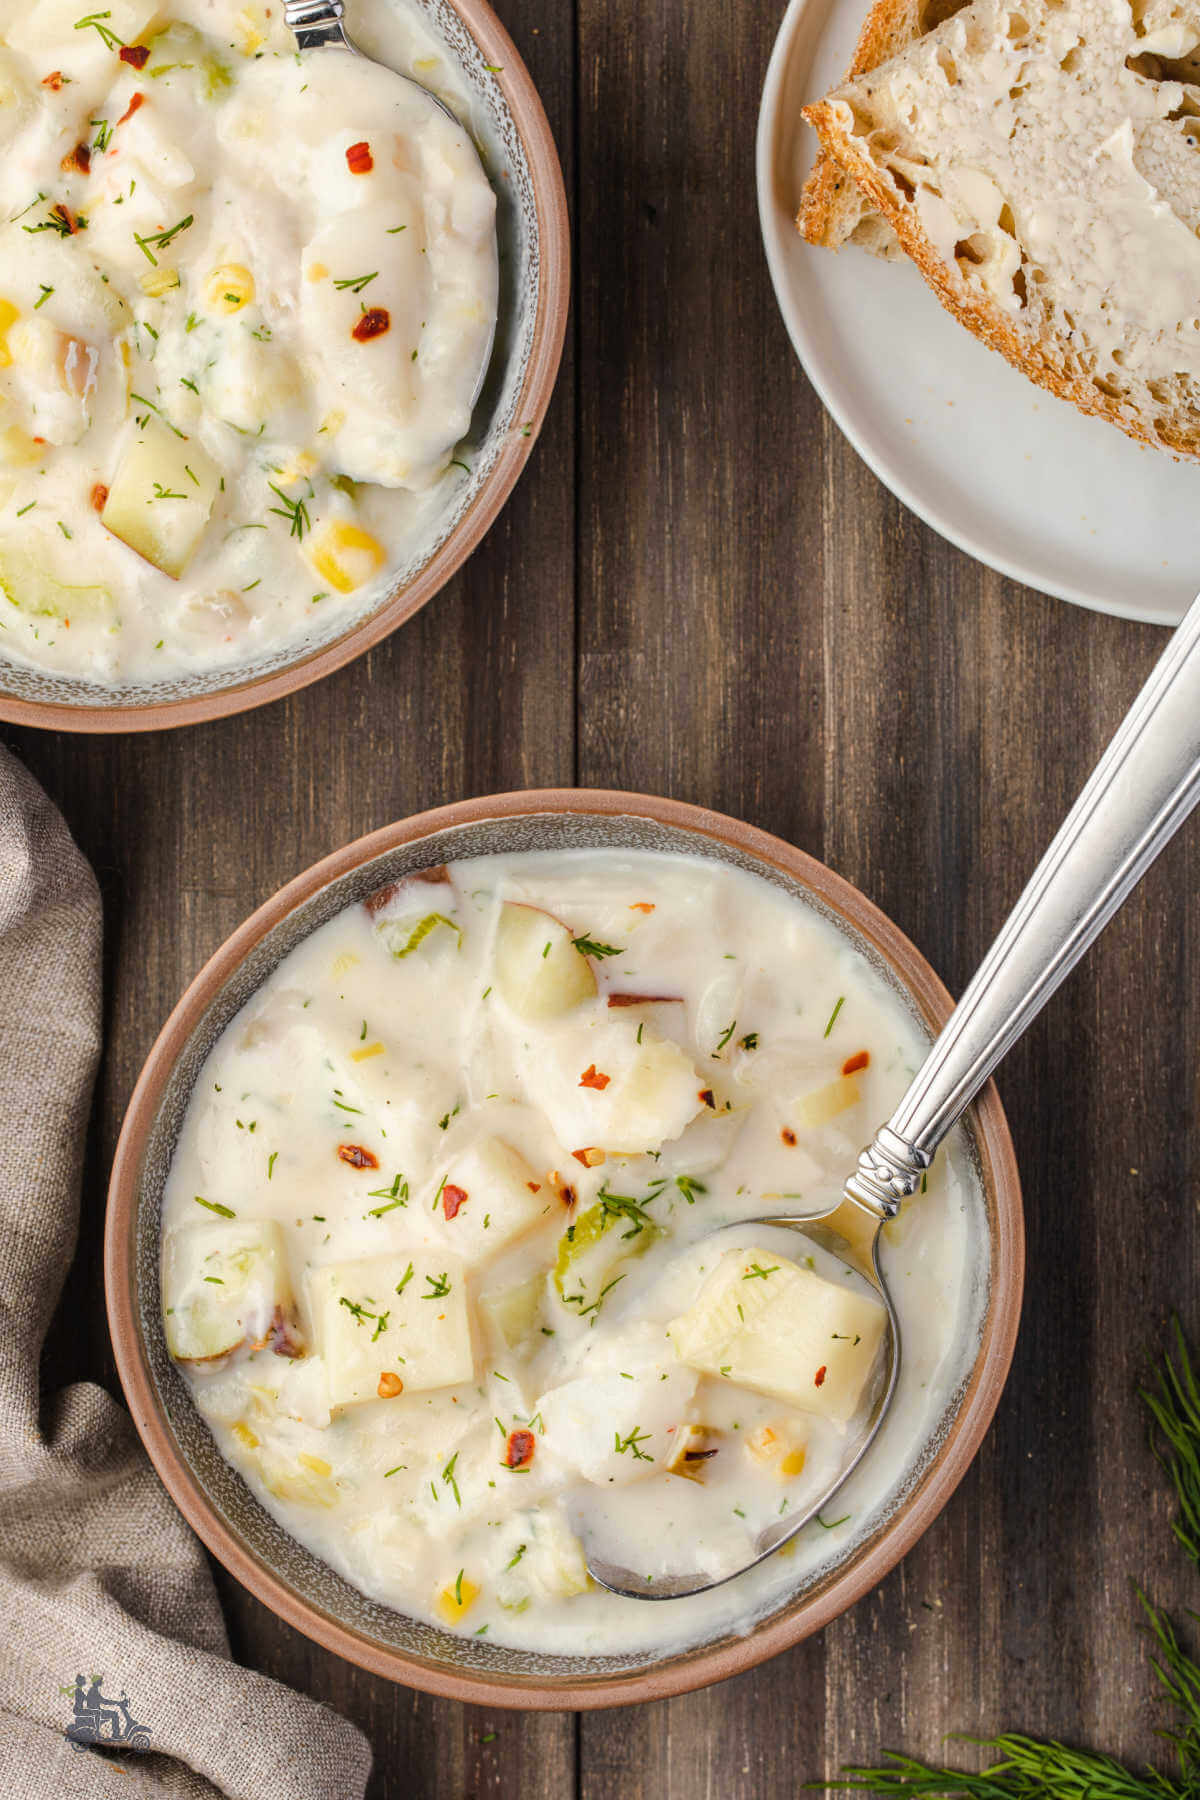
(423, 1263)
(277, 334)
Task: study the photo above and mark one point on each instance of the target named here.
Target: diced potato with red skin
(489, 1198)
(538, 971)
(767, 1324)
(405, 1314)
(225, 1284)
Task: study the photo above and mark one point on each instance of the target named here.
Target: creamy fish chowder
(438, 1259)
(245, 300)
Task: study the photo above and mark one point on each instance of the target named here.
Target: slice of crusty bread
(833, 209)
(1039, 160)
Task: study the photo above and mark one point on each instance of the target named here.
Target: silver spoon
(1139, 794)
(321, 25)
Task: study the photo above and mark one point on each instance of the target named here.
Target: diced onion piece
(825, 1103)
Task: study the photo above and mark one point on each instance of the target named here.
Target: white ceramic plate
(1004, 470)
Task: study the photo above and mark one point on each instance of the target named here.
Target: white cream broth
(440, 1216)
(245, 300)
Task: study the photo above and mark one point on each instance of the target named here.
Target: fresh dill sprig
(1027, 1768)
(1174, 1405)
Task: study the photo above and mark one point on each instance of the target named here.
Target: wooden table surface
(698, 590)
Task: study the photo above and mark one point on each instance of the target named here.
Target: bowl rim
(549, 330)
(706, 1664)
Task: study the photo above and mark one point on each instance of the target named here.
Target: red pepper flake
(591, 1158)
(535, 1187)
(54, 81)
(72, 223)
(359, 160)
(357, 1157)
(135, 105)
(819, 1377)
(789, 1137)
(642, 906)
(136, 55)
(374, 323)
(860, 1060)
(79, 159)
(518, 1451)
(593, 1078)
(452, 1198)
(99, 497)
(644, 999)
(706, 1094)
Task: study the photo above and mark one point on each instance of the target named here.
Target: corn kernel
(778, 1447)
(157, 282)
(317, 271)
(457, 1599)
(298, 467)
(249, 30)
(365, 1055)
(244, 1435)
(315, 1464)
(9, 314)
(344, 555)
(17, 448)
(229, 288)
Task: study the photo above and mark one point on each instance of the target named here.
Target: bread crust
(978, 311)
(832, 207)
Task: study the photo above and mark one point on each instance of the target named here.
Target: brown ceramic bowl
(288, 1578)
(535, 263)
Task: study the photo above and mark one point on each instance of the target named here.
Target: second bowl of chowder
(411, 1264)
(247, 304)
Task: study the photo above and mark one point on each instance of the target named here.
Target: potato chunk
(161, 497)
(488, 1199)
(538, 971)
(768, 1324)
(403, 1315)
(224, 1285)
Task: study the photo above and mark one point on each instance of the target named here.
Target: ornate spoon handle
(317, 24)
(1139, 794)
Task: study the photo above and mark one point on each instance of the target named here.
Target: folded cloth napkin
(100, 1578)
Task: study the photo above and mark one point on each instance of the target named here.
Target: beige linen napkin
(99, 1575)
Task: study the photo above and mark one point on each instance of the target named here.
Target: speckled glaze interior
(210, 1491)
(518, 151)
